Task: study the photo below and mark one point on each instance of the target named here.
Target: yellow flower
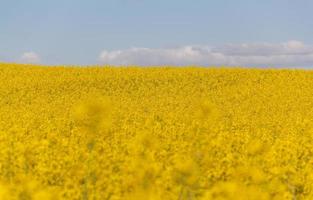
(186, 171)
(93, 114)
(155, 133)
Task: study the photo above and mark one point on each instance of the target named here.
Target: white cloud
(292, 47)
(30, 57)
(289, 54)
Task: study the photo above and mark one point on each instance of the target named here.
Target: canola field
(167, 133)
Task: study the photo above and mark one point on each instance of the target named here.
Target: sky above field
(267, 33)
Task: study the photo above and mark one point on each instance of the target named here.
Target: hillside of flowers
(159, 133)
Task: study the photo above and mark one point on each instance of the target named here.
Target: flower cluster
(155, 133)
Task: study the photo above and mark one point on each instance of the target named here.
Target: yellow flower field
(155, 133)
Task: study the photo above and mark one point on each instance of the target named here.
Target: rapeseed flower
(155, 133)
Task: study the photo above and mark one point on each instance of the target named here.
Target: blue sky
(152, 32)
